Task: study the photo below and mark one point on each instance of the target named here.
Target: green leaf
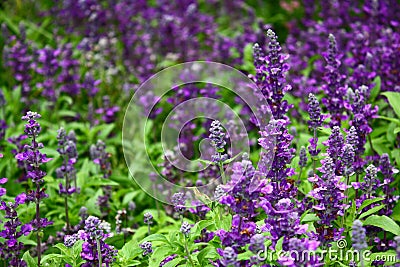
(376, 89)
(394, 101)
(310, 218)
(198, 227)
(99, 181)
(49, 257)
(207, 253)
(279, 244)
(173, 263)
(390, 119)
(159, 255)
(63, 249)
(383, 222)
(130, 250)
(133, 263)
(245, 255)
(29, 260)
(371, 211)
(396, 212)
(156, 237)
(368, 202)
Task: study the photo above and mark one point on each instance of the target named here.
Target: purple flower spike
(229, 257)
(358, 236)
(314, 110)
(147, 248)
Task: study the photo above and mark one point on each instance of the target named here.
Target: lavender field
(199, 133)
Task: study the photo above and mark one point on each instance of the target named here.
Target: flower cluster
(217, 137)
(94, 248)
(68, 152)
(102, 158)
(358, 236)
(11, 247)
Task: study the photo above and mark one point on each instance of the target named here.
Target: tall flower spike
(257, 243)
(314, 110)
(229, 257)
(333, 88)
(335, 143)
(11, 247)
(316, 119)
(358, 236)
(385, 167)
(217, 137)
(34, 159)
(348, 159)
(303, 157)
(178, 201)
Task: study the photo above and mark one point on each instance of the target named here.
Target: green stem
(99, 253)
(301, 170)
(187, 253)
(221, 169)
(39, 249)
(66, 214)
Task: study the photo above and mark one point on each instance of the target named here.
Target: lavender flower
(167, 259)
(69, 75)
(387, 171)
(147, 248)
(185, 228)
(108, 112)
(34, 158)
(178, 201)
(348, 159)
(314, 110)
(257, 243)
(334, 88)
(299, 246)
(358, 236)
(121, 215)
(48, 67)
(148, 218)
(101, 157)
(217, 137)
(229, 257)
(371, 182)
(335, 144)
(70, 240)
(273, 68)
(219, 192)
(316, 119)
(328, 193)
(67, 150)
(11, 248)
(303, 157)
(18, 56)
(94, 249)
